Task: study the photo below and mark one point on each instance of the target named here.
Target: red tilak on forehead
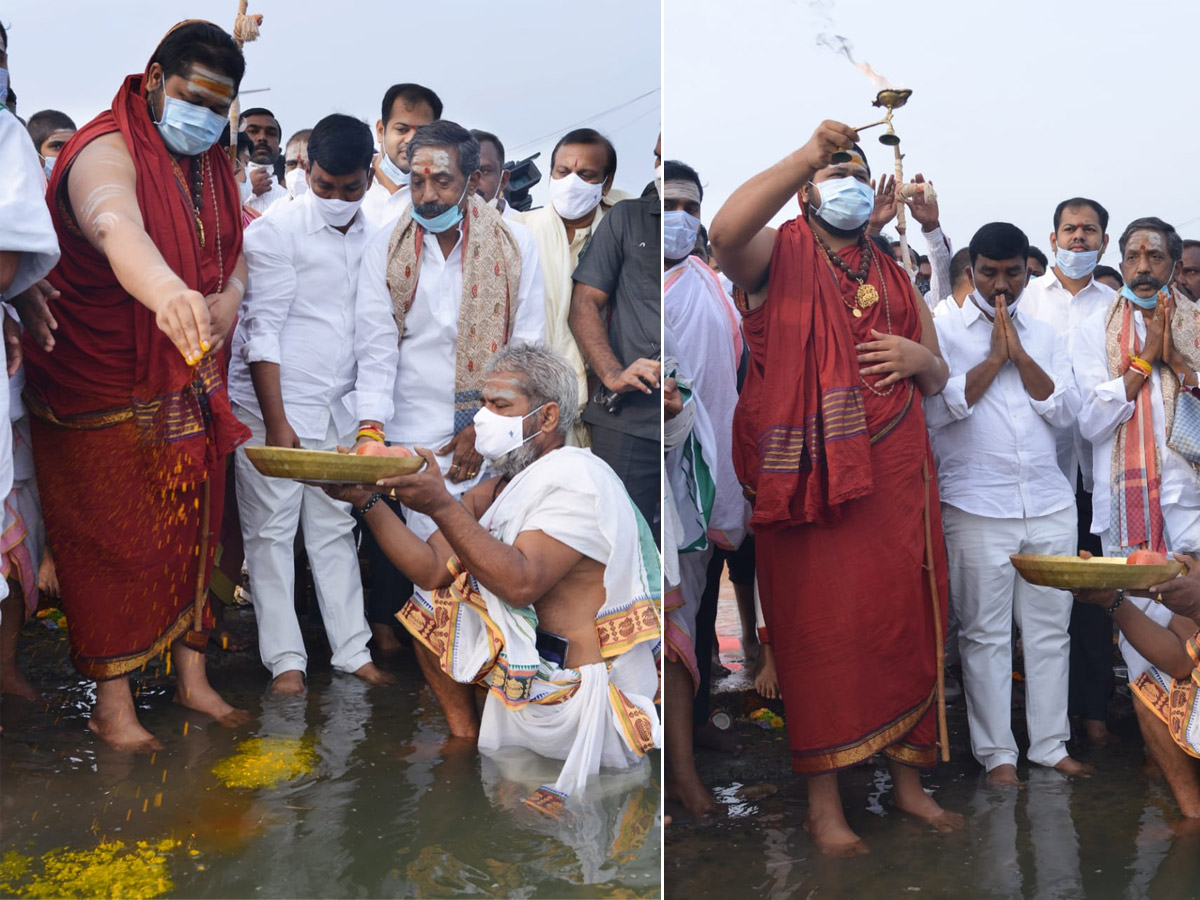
(427, 170)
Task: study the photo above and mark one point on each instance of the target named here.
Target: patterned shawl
(491, 261)
(1136, 475)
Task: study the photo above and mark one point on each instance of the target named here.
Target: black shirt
(624, 260)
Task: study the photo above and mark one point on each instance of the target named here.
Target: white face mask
(658, 179)
(574, 198)
(298, 181)
(336, 212)
(496, 435)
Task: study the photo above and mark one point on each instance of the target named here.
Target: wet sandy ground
(372, 801)
(1099, 838)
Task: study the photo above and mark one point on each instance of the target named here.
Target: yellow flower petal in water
(266, 762)
(109, 870)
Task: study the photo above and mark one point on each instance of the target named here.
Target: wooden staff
(235, 108)
(901, 225)
(201, 581)
(938, 640)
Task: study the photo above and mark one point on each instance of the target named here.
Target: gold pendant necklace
(866, 296)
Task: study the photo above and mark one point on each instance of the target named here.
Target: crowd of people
(182, 296)
(865, 439)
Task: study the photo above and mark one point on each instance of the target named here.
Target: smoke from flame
(841, 44)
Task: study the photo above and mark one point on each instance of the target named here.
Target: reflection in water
(1106, 838)
(608, 826)
(391, 807)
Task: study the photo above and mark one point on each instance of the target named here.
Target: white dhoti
(270, 510)
(601, 714)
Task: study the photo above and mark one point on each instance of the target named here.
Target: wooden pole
(235, 108)
(202, 563)
(901, 223)
(938, 639)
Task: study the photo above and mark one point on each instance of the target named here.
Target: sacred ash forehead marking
(681, 189)
(1147, 239)
(210, 84)
(434, 157)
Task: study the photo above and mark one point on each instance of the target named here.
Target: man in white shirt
(993, 436)
(1065, 297)
(1132, 360)
(583, 165)
(960, 283)
(312, 360)
(493, 177)
(462, 285)
(261, 126)
(406, 107)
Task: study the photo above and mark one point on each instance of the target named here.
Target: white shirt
(1104, 407)
(998, 458)
(335, 347)
(381, 207)
(262, 202)
(1046, 298)
(946, 304)
(425, 374)
(940, 254)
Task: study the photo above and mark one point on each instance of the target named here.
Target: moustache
(1145, 280)
(432, 210)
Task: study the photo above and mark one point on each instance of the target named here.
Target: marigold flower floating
(109, 870)
(267, 761)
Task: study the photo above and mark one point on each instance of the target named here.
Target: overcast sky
(527, 71)
(1016, 105)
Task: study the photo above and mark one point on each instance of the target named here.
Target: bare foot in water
(120, 729)
(1075, 768)
(766, 682)
(910, 797)
(203, 699)
(372, 674)
(1097, 732)
(384, 642)
(1004, 776)
(694, 797)
(290, 682)
(833, 836)
(14, 684)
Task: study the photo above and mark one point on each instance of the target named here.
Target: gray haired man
(541, 584)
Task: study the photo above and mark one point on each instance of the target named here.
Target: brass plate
(1102, 572)
(328, 467)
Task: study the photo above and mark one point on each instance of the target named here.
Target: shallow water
(1103, 838)
(389, 807)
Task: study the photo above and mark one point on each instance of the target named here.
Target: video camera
(523, 175)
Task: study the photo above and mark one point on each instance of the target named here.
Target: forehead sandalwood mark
(210, 84)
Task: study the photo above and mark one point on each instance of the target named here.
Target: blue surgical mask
(3, 86)
(187, 128)
(1148, 302)
(394, 173)
(679, 234)
(443, 221)
(1076, 264)
(846, 203)
(48, 164)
